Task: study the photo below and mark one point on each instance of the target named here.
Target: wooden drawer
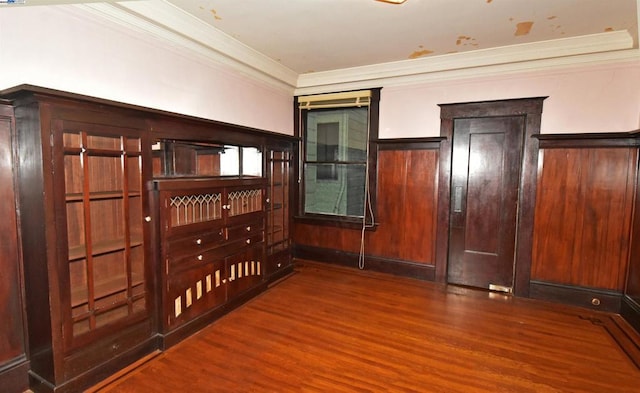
(253, 230)
(277, 262)
(200, 258)
(195, 291)
(196, 244)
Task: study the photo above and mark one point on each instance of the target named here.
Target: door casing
(531, 109)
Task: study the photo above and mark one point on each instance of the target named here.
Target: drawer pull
(248, 229)
(198, 241)
(147, 218)
(248, 241)
(199, 257)
(279, 265)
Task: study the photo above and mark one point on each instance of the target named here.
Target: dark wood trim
(15, 376)
(89, 378)
(409, 143)
(630, 311)
(508, 107)
(336, 222)
(608, 301)
(531, 108)
(377, 264)
(374, 124)
(612, 139)
(162, 123)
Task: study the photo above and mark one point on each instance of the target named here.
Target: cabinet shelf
(73, 151)
(95, 196)
(105, 288)
(104, 247)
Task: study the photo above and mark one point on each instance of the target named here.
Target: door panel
(486, 165)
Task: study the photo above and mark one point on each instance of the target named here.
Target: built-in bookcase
(106, 258)
(279, 164)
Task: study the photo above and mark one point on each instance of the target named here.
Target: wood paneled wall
(406, 212)
(407, 201)
(583, 216)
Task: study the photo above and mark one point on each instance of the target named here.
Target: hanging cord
(367, 203)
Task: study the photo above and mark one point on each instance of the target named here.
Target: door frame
(531, 109)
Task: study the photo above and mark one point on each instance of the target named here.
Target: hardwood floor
(333, 329)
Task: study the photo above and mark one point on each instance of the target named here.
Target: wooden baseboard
(14, 377)
(410, 269)
(630, 311)
(99, 373)
(591, 298)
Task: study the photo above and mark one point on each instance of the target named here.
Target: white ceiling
(303, 43)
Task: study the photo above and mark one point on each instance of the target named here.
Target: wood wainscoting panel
(583, 216)
(329, 237)
(407, 203)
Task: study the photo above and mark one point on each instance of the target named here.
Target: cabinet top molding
(155, 118)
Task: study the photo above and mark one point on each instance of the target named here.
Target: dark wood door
(486, 164)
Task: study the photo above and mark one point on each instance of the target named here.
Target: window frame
(330, 219)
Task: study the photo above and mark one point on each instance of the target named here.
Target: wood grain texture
(632, 290)
(13, 343)
(583, 216)
(330, 329)
(406, 206)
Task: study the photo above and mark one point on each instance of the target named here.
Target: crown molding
(513, 55)
(624, 57)
(171, 24)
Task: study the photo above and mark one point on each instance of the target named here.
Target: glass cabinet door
(104, 212)
(279, 163)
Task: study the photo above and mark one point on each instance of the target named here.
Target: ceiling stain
(523, 28)
(420, 53)
(215, 15)
(552, 17)
(465, 40)
(608, 29)
(489, 1)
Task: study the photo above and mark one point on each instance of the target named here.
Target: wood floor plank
(333, 329)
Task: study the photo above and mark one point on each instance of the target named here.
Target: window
(337, 154)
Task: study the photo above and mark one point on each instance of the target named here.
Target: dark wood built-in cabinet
(212, 241)
(138, 227)
(85, 232)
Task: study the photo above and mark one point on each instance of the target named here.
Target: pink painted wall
(585, 99)
(62, 48)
